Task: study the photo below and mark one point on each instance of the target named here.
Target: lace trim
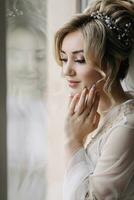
(115, 116)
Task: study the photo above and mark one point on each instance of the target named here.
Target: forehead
(24, 39)
(72, 42)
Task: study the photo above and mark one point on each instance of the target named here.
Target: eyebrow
(74, 52)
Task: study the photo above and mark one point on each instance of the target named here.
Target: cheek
(90, 76)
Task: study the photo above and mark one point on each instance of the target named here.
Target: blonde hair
(99, 39)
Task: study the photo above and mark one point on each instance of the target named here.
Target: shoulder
(123, 123)
(123, 115)
(120, 134)
(127, 112)
(120, 122)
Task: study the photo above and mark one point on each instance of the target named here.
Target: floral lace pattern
(113, 118)
(90, 169)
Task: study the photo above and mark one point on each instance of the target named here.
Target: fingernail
(85, 89)
(77, 95)
(93, 87)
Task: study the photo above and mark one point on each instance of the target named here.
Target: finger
(90, 100)
(90, 113)
(73, 104)
(91, 96)
(96, 120)
(81, 103)
(94, 107)
(70, 99)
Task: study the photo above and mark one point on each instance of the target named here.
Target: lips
(73, 83)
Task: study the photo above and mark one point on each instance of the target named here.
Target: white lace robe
(104, 170)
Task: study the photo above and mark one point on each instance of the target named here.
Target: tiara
(14, 12)
(121, 33)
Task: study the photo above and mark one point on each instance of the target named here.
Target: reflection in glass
(26, 73)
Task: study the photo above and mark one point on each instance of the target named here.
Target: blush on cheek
(91, 76)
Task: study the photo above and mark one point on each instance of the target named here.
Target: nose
(29, 64)
(68, 69)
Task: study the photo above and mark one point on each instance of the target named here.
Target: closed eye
(81, 61)
(40, 58)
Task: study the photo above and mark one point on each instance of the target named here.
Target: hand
(82, 116)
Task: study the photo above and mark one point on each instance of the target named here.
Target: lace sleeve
(76, 177)
(115, 167)
(112, 174)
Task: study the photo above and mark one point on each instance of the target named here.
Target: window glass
(3, 158)
(83, 4)
(36, 98)
(26, 108)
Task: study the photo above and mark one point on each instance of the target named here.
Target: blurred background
(36, 98)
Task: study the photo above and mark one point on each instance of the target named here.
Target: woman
(26, 112)
(93, 49)
(26, 49)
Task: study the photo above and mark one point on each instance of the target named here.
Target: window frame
(3, 126)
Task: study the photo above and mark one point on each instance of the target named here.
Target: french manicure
(84, 89)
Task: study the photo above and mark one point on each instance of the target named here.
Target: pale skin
(25, 60)
(87, 100)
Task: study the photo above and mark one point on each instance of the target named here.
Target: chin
(75, 91)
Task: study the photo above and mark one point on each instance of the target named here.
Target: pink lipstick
(73, 83)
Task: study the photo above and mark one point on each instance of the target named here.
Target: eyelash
(82, 61)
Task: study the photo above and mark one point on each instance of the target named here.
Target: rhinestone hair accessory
(14, 12)
(121, 33)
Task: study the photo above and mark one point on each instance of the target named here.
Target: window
(26, 111)
(3, 162)
(83, 4)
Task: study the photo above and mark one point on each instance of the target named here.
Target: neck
(118, 96)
